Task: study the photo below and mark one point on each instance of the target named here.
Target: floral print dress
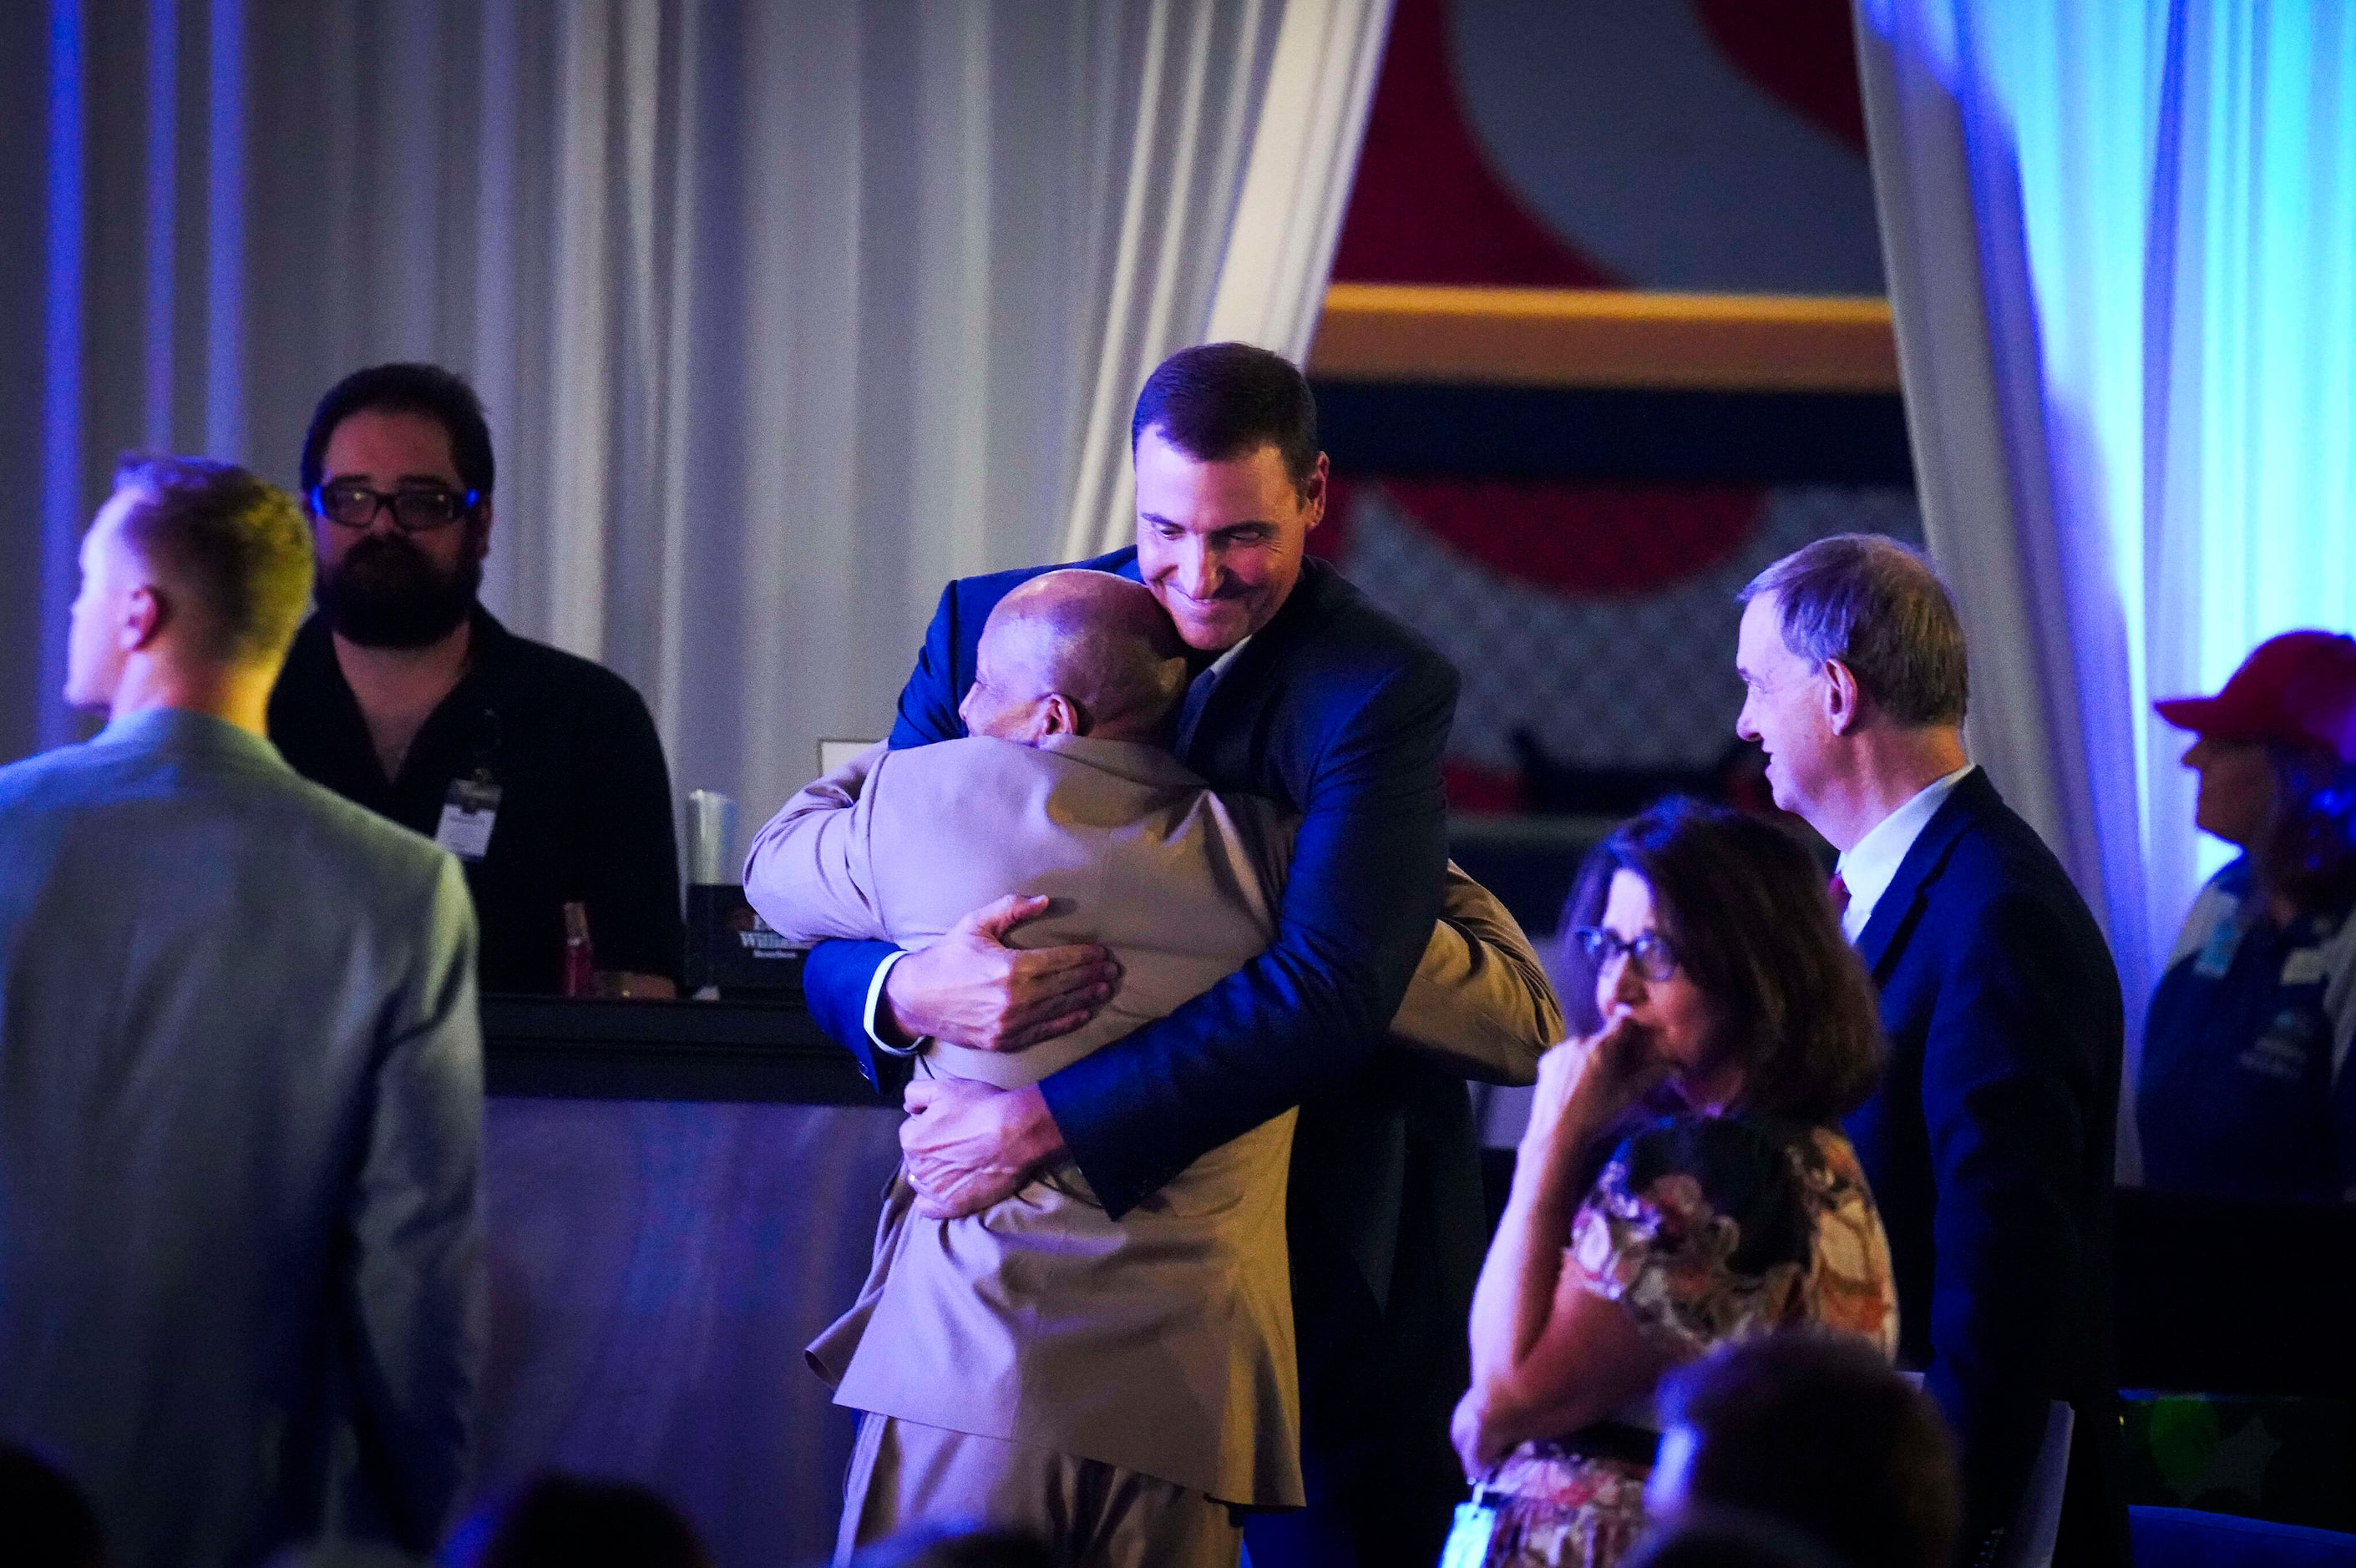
(1707, 1229)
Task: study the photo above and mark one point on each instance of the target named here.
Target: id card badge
(1468, 1539)
(468, 812)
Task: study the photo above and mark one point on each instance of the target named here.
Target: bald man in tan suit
(1112, 1386)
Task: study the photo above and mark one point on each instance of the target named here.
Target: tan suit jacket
(1162, 1342)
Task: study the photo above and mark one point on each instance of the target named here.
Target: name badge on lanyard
(1468, 1539)
(468, 814)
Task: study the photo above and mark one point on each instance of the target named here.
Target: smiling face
(1220, 544)
(1783, 707)
(2237, 789)
(1679, 1019)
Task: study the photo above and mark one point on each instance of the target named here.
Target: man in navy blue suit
(1990, 1143)
(1305, 693)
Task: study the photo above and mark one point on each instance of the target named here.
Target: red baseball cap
(2298, 687)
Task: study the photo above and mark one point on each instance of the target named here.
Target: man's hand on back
(971, 990)
(966, 1146)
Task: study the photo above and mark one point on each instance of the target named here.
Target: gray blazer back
(240, 1120)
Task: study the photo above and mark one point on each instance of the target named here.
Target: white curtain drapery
(784, 314)
(2122, 250)
(1261, 278)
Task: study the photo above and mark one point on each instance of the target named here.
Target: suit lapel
(1974, 797)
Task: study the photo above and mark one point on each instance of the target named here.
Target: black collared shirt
(585, 811)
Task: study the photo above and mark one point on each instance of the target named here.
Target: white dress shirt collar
(1873, 861)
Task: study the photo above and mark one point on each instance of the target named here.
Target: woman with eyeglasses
(1684, 1181)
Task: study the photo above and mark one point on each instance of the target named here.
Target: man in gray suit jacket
(241, 1076)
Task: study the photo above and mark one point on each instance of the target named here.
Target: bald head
(1080, 653)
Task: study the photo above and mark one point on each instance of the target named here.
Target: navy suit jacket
(1990, 1149)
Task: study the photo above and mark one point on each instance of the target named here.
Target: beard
(387, 593)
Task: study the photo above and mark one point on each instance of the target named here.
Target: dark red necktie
(1837, 890)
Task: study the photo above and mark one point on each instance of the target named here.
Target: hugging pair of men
(1288, 685)
(1123, 1382)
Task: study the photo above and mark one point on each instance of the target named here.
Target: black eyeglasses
(1651, 954)
(418, 511)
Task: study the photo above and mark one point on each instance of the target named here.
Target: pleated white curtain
(2122, 249)
(784, 313)
(1262, 278)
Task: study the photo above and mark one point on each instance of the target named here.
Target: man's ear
(143, 614)
(1843, 699)
(1059, 715)
(1314, 492)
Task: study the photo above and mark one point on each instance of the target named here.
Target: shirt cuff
(875, 1002)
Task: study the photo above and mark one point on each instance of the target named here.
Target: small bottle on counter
(711, 891)
(580, 956)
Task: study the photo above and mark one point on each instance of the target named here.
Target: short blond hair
(233, 550)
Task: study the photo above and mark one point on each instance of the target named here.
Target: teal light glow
(2175, 186)
(2257, 371)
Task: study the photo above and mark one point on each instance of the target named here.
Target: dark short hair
(1814, 1427)
(1878, 607)
(2309, 853)
(558, 1521)
(427, 390)
(1217, 401)
(233, 551)
(1743, 905)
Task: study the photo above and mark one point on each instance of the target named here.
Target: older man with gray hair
(1990, 1143)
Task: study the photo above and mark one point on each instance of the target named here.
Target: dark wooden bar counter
(677, 1197)
(552, 1047)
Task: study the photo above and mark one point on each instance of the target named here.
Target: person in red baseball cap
(2244, 1089)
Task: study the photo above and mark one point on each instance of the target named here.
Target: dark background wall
(1575, 548)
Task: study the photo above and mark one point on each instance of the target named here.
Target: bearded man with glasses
(540, 771)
